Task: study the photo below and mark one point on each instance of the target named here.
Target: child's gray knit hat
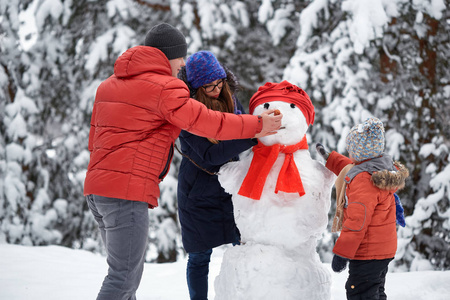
(366, 140)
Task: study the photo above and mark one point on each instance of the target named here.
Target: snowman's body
(280, 230)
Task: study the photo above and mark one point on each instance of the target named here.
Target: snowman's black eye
(292, 105)
(266, 105)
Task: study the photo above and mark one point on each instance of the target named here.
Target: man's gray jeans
(123, 226)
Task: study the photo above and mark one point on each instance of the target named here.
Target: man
(138, 113)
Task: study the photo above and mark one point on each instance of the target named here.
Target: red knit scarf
(264, 157)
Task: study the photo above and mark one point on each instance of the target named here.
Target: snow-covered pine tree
(353, 57)
(414, 57)
(26, 215)
(50, 88)
(263, 35)
(43, 79)
(361, 58)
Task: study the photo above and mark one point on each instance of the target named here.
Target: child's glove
(339, 263)
(321, 150)
(399, 211)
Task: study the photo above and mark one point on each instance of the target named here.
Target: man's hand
(271, 122)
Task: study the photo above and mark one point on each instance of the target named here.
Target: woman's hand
(271, 122)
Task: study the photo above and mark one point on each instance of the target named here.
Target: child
(205, 209)
(366, 209)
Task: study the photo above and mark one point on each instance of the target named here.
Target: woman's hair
(223, 103)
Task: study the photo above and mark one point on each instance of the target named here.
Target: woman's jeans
(123, 226)
(197, 274)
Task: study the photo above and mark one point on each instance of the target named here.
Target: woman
(205, 209)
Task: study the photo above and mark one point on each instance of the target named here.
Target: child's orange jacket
(369, 227)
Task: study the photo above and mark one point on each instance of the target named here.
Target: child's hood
(391, 180)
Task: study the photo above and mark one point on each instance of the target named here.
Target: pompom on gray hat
(366, 141)
(168, 39)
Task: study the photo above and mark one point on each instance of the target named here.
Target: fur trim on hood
(391, 180)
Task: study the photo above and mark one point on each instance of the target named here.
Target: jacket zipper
(166, 167)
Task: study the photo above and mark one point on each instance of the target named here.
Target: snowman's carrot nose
(276, 112)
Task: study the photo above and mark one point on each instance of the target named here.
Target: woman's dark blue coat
(205, 209)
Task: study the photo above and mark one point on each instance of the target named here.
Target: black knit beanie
(168, 39)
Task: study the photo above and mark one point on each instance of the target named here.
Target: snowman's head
(293, 103)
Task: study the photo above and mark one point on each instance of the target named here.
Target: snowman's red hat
(286, 92)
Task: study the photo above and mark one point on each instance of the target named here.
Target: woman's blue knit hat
(366, 140)
(202, 68)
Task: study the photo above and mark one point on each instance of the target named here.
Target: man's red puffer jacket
(138, 113)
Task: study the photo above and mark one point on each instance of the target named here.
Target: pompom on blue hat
(202, 68)
(366, 140)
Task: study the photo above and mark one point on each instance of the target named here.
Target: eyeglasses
(211, 87)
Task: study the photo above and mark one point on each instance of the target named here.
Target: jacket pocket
(356, 216)
(167, 166)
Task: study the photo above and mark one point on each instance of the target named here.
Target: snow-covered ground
(54, 272)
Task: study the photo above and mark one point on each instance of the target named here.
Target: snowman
(281, 199)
